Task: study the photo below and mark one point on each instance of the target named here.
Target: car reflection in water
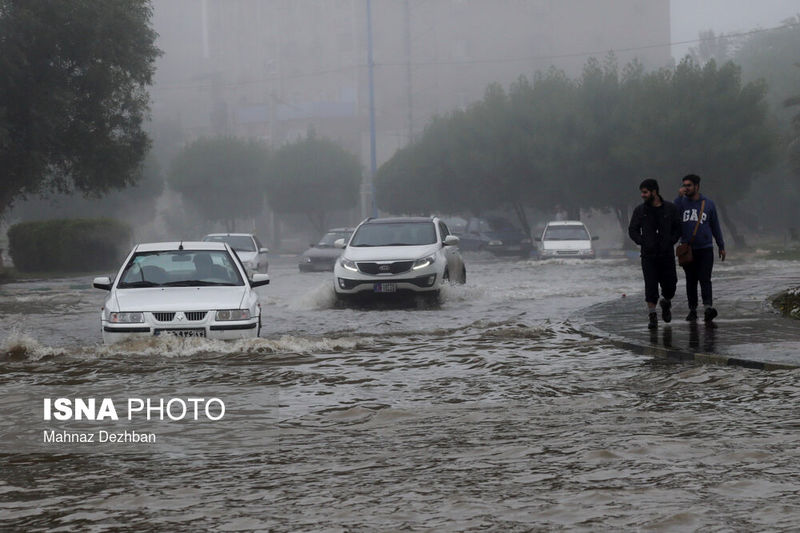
(323, 255)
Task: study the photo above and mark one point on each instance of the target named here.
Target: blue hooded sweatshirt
(709, 226)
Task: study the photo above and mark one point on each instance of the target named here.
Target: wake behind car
(323, 255)
(404, 255)
(247, 246)
(188, 289)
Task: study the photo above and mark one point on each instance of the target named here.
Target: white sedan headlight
(349, 264)
(424, 262)
(233, 314)
(126, 318)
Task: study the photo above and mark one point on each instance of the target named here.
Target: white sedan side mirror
(259, 280)
(103, 282)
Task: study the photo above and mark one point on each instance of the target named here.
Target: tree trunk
(574, 213)
(623, 219)
(737, 237)
(522, 217)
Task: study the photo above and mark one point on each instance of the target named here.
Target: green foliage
(313, 176)
(556, 143)
(68, 245)
(222, 178)
(72, 94)
(135, 204)
(772, 56)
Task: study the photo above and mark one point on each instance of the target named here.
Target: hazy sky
(689, 17)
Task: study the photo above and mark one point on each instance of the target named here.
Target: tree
(134, 204)
(73, 78)
(313, 176)
(222, 177)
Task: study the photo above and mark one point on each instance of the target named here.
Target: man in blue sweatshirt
(693, 206)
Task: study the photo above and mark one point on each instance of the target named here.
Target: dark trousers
(699, 270)
(659, 270)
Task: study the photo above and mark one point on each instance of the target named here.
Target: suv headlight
(424, 262)
(349, 264)
(233, 314)
(126, 318)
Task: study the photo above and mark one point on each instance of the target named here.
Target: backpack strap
(699, 218)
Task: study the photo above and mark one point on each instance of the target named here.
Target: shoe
(653, 324)
(709, 314)
(692, 316)
(666, 310)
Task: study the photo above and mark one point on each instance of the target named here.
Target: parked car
(497, 235)
(247, 246)
(188, 289)
(323, 255)
(405, 255)
(456, 225)
(566, 238)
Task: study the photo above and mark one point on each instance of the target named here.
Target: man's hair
(694, 178)
(650, 184)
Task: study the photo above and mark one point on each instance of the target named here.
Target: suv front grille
(385, 268)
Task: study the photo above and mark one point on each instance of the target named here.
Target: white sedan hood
(180, 298)
(390, 253)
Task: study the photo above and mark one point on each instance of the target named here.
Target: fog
(690, 17)
(274, 70)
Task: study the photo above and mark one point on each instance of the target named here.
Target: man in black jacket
(656, 227)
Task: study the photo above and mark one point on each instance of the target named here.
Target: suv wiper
(197, 283)
(138, 284)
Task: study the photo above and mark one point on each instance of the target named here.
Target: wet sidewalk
(748, 331)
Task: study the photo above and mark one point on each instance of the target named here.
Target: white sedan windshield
(180, 268)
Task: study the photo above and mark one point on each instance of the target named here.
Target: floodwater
(492, 412)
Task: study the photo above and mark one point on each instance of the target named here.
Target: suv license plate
(386, 286)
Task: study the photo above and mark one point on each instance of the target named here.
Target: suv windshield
(566, 233)
(395, 234)
(240, 243)
(180, 268)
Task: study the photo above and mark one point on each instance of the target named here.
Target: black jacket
(655, 229)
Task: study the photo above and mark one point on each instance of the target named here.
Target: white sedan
(247, 246)
(188, 289)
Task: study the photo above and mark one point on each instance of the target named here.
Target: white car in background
(386, 256)
(566, 238)
(247, 246)
(187, 289)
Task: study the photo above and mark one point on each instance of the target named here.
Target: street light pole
(372, 156)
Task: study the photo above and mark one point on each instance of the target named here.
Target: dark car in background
(495, 234)
(322, 256)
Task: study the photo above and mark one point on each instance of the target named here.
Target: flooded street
(494, 411)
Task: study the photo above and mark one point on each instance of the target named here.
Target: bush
(68, 245)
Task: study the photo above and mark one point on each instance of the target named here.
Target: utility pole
(373, 167)
(409, 86)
